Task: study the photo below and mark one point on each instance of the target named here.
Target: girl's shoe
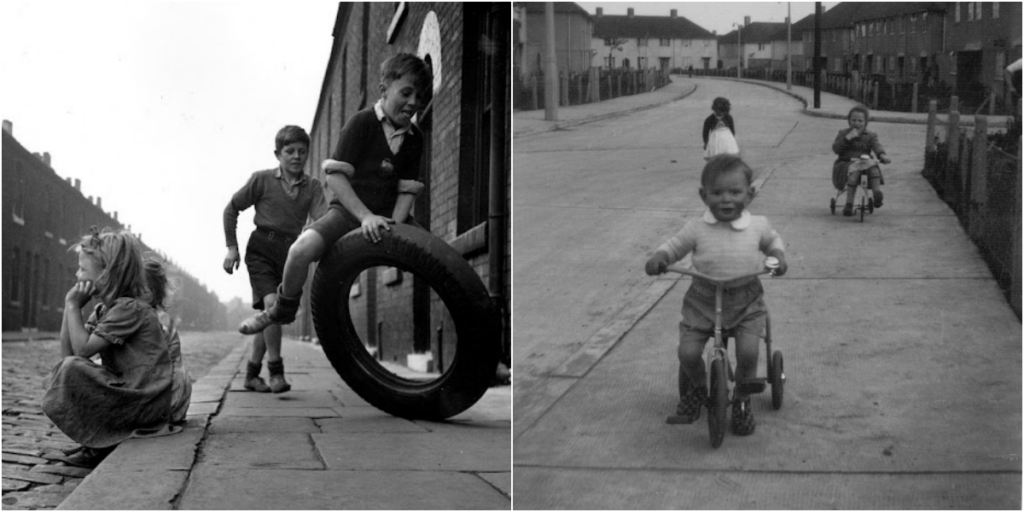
(89, 457)
(688, 410)
(848, 210)
(878, 199)
(742, 417)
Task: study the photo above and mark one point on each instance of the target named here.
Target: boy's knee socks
(276, 367)
(253, 370)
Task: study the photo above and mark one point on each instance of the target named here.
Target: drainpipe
(496, 186)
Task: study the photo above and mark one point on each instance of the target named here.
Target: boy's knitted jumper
(724, 249)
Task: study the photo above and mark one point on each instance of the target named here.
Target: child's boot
(688, 410)
(282, 312)
(742, 417)
(848, 210)
(277, 382)
(877, 202)
(253, 381)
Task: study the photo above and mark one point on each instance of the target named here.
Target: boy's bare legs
(309, 247)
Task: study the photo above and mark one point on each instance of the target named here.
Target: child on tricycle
(726, 241)
(852, 145)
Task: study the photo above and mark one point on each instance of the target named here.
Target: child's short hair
(721, 164)
(289, 135)
(403, 64)
(859, 108)
(721, 105)
(120, 256)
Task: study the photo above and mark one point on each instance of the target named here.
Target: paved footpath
(318, 446)
(902, 356)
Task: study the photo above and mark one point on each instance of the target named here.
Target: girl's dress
(131, 393)
(721, 140)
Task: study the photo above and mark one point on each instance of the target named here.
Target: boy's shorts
(338, 222)
(743, 309)
(265, 255)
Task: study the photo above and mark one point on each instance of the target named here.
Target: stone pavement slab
(723, 490)
(276, 451)
(270, 489)
(469, 450)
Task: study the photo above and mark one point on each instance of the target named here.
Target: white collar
(378, 109)
(739, 224)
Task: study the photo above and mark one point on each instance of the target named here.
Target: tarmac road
(903, 359)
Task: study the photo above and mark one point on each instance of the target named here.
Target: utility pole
(739, 50)
(550, 66)
(817, 55)
(789, 47)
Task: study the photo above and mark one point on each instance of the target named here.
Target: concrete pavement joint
(771, 471)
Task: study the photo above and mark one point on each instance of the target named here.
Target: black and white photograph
(256, 255)
(767, 255)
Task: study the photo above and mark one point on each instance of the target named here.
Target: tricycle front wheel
(718, 402)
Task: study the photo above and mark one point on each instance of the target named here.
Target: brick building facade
(44, 215)
(466, 164)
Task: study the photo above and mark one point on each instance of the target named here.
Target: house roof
(662, 27)
(563, 7)
(847, 13)
(757, 32)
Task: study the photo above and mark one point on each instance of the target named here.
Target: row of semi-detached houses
(963, 44)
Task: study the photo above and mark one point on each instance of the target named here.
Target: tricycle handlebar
(770, 264)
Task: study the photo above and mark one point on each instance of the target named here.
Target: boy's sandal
(688, 410)
(743, 423)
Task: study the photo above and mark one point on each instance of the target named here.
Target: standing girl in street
(720, 130)
(129, 393)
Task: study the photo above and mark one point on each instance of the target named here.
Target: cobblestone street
(34, 476)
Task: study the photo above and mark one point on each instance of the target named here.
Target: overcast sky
(164, 109)
(713, 15)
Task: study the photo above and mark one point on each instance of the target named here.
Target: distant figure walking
(132, 392)
(720, 130)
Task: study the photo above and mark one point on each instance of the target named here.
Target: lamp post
(739, 50)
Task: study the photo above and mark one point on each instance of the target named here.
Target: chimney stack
(600, 12)
(99, 202)
(746, 21)
(675, 13)
(46, 158)
(78, 184)
(8, 127)
(115, 216)
(629, 12)
(68, 179)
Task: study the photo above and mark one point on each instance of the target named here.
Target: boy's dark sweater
(275, 210)
(364, 146)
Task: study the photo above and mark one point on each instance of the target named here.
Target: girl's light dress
(721, 141)
(132, 392)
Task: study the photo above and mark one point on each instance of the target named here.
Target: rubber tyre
(832, 205)
(718, 403)
(476, 318)
(778, 382)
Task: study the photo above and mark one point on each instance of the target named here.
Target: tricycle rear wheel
(778, 380)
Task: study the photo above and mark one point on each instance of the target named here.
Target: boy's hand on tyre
(372, 226)
(657, 264)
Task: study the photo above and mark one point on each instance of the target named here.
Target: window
(609, 41)
(956, 12)
(482, 21)
(18, 208)
(760, 46)
(664, 62)
(46, 284)
(977, 11)
(924, 22)
(995, 10)
(665, 42)
(913, 23)
(641, 41)
(15, 291)
(970, 11)
(641, 62)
